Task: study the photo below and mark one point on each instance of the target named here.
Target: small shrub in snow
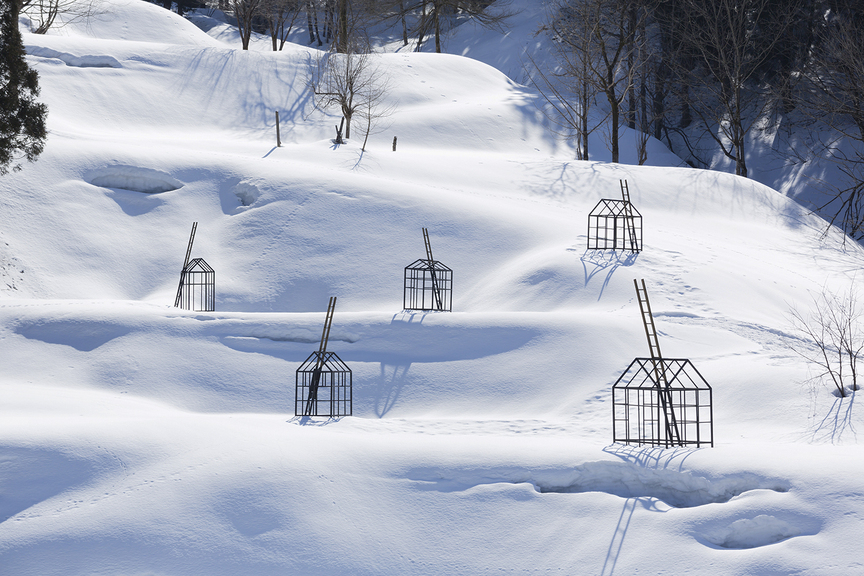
(832, 340)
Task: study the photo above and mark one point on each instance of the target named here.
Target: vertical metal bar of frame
(333, 411)
(448, 291)
(698, 419)
(711, 414)
(405, 289)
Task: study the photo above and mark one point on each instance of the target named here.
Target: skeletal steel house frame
(323, 383)
(661, 401)
(428, 283)
(197, 288)
(615, 224)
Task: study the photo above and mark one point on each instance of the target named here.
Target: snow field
(140, 439)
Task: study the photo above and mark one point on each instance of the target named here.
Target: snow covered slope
(136, 438)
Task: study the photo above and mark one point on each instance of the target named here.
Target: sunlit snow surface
(136, 438)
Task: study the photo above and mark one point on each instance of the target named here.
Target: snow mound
(752, 533)
(31, 476)
(133, 178)
(131, 20)
(86, 61)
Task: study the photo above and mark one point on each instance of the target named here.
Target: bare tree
(642, 64)
(312, 22)
(350, 82)
(567, 94)
(732, 40)
(374, 108)
(599, 36)
(280, 16)
(832, 94)
(434, 17)
(43, 13)
(246, 11)
(345, 22)
(834, 341)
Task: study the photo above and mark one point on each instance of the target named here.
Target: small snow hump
(753, 532)
(146, 180)
(86, 61)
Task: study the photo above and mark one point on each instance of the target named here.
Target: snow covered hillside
(138, 438)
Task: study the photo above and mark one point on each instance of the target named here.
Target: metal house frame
(661, 401)
(615, 224)
(428, 283)
(197, 288)
(646, 411)
(323, 382)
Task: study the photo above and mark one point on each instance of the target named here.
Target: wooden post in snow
(278, 140)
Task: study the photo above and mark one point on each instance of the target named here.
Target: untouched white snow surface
(136, 438)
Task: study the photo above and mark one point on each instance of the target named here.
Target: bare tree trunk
(342, 30)
(436, 7)
(644, 125)
(586, 99)
(404, 24)
(631, 56)
(329, 24)
(615, 117)
(658, 96)
(309, 10)
(421, 27)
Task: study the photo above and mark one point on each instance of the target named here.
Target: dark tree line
(340, 23)
(717, 68)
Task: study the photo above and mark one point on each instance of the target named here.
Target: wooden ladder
(312, 398)
(185, 263)
(436, 290)
(628, 215)
(673, 434)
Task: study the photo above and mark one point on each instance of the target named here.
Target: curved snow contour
(86, 61)
(133, 178)
(752, 533)
(677, 489)
(83, 335)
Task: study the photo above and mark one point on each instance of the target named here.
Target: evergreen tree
(22, 119)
